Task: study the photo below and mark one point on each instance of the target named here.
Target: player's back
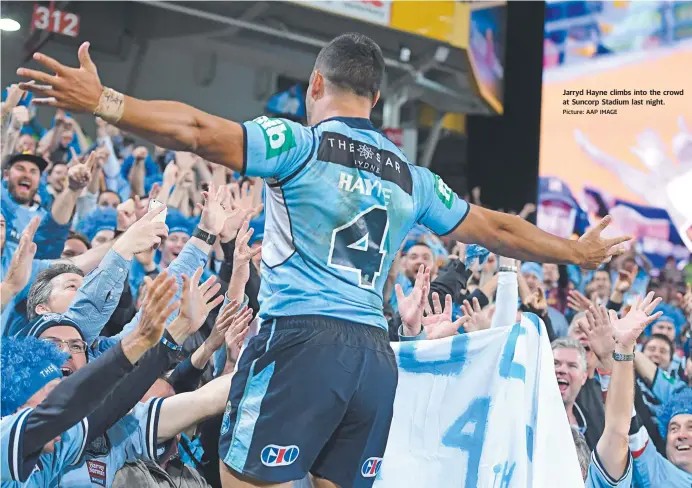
(340, 200)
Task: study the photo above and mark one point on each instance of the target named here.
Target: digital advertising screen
(616, 122)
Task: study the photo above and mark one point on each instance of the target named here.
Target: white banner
(375, 11)
(480, 410)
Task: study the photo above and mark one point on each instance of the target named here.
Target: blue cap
(177, 222)
(533, 268)
(45, 321)
(679, 403)
(102, 218)
(28, 364)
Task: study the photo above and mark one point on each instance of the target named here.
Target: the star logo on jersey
(365, 151)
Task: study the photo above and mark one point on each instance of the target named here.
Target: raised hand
(686, 302)
(578, 302)
(156, 309)
(411, 307)
(595, 250)
(224, 320)
(170, 175)
(18, 274)
(627, 329)
(437, 314)
(198, 300)
(236, 333)
(625, 280)
(127, 213)
(597, 327)
(79, 175)
(142, 236)
(243, 252)
(73, 89)
(247, 197)
(235, 216)
(477, 318)
(213, 212)
(445, 328)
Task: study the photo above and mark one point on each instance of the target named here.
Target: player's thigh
(353, 455)
(318, 482)
(289, 395)
(232, 479)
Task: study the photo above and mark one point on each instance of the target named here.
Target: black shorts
(311, 394)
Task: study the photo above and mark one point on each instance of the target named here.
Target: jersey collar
(354, 122)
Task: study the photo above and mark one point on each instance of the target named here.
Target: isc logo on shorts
(371, 467)
(273, 455)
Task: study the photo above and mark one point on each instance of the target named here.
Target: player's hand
(73, 89)
(595, 250)
(411, 307)
(478, 318)
(18, 274)
(243, 252)
(213, 211)
(627, 329)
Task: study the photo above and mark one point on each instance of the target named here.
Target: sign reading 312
(53, 20)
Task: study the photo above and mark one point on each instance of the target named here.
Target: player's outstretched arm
(511, 236)
(172, 125)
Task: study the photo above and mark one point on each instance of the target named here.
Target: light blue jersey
(598, 477)
(340, 200)
(132, 437)
(47, 467)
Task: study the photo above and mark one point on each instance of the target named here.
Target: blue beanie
(177, 222)
(474, 251)
(28, 364)
(102, 218)
(679, 403)
(533, 268)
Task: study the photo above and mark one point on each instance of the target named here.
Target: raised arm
(612, 447)
(172, 125)
(511, 236)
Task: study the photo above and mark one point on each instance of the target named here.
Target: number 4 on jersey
(358, 246)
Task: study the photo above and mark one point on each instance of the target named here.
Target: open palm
(627, 329)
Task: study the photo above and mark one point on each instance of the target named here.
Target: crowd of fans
(120, 333)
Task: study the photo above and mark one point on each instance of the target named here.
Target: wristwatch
(623, 357)
(205, 236)
(511, 269)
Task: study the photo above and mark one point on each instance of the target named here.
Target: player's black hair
(353, 62)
